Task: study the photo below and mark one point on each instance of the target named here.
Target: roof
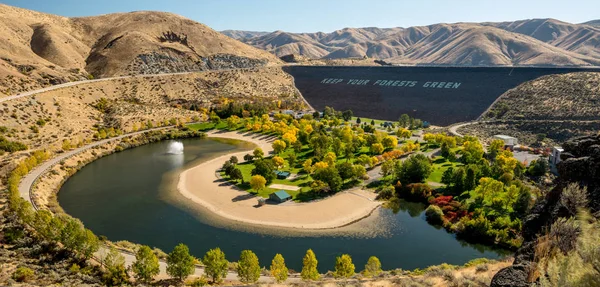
(504, 137)
(281, 194)
(283, 173)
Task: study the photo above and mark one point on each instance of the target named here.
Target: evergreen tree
(278, 268)
(344, 268)
(248, 267)
(309, 266)
(373, 267)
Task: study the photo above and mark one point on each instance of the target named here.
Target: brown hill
(42, 49)
(527, 42)
(571, 97)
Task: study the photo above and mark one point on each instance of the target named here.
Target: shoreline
(201, 186)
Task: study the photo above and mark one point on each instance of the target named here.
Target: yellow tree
(278, 161)
(404, 133)
(320, 165)
(377, 148)
(506, 162)
(289, 137)
(330, 158)
(389, 142)
(309, 266)
(307, 166)
(278, 268)
(278, 146)
(257, 182)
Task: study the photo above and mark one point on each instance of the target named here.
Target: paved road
(454, 129)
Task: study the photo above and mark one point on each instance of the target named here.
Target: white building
(508, 140)
(555, 158)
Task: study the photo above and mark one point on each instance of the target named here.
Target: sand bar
(201, 185)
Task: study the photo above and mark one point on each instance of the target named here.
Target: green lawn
(440, 165)
(205, 126)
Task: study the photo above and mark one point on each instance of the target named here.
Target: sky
(328, 15)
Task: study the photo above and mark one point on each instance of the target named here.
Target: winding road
(27, 183)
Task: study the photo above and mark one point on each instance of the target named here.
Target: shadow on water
(131, 195)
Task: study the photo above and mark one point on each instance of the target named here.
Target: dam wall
(439, 95)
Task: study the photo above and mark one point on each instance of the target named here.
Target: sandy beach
(201, 185)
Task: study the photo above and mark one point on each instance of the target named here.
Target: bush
(434, 214)
(198, 282)
(22, 274)
(418, 192)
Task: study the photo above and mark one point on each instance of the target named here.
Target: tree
(228, 168)
(309, 266)
(292, 160)
(359, 171)
(115, 273)
(146, 264)
(373, 267)
(278, 161)
(320, 144)
(258, 153)
(278, 268)
(248, 267)
(415, 169)
(404, 120)
(264, 168)
(387, 167)
(257, 182)
(236, 174)
(363, 160)
(215, 265)
(180, 264)
(538, 167)
(89, 243)
(330, 158)
(372, 122)
(347, 115)
(495, 147)
(232, 122)
(307, 166)
(344, 268)
(377, 148)
(330, 176)
(472, 151)
(389, 142)
(233, 159)
(345, 170)
(248, 157)
(278, 146)
(403, 133)
(358, 121)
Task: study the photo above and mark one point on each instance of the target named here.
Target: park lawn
(205, 126)
(440, 165)
(368, 121)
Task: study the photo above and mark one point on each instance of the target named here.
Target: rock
(513, 276)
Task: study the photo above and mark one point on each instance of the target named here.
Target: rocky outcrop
(581, 164)
(173, 61)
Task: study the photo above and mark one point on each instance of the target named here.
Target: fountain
(175, 148)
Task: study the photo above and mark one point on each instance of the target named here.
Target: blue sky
(328, 15)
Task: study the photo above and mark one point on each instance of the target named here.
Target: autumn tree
(257, 182)
(377, 148)
(146, 264)
(344, 268)
(403, 133)
(258, 153)
(309, 266)
(278, 161)
(278, 146)
(180, 264)
(215, 265)
(373, 267)
(278, 268)
(248, 268)
(389, 142)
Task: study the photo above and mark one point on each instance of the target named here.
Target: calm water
(130, 196)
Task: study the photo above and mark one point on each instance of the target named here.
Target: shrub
(574, 197)
(22, 274)
(418, 192)
(198, 282)
(434, 214)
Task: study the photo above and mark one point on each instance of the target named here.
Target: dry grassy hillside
(44, 120)
(574, 96)
(527, 42)
(40, 49)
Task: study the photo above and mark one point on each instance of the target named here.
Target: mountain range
(39, 49)
(528, 42)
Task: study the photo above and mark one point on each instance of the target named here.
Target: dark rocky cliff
(581, 164)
